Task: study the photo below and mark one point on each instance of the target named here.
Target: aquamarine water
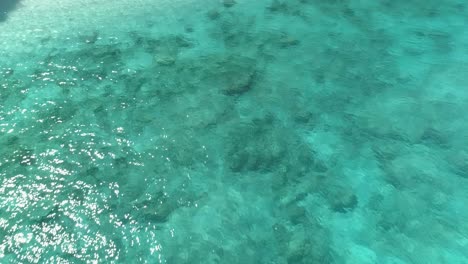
(233, 131)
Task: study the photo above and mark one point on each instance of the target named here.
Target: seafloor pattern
(232, 131)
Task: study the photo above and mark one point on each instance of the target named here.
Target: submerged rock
(242, 85)
(229, 3)
(459, 162)
(213, 14)
(298, 247)
(296, 213)
(277, 6)
(189, 29)
(288, 41)
(165, 60)
(239, 75)
(229, 74)
(160, 213)
(342, 200)
(257, 146)
(183, 42)
(90, 38)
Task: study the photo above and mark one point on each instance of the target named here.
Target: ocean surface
(234, 131)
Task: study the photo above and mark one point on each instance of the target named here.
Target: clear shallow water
(233, 132)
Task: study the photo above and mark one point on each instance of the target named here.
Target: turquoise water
(266, 131)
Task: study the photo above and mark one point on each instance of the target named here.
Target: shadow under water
(7, 6)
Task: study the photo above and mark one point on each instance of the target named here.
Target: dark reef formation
(7, 6)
